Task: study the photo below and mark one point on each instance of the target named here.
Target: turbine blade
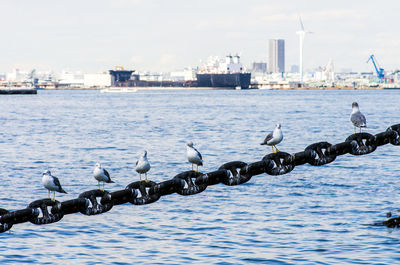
(301, 23)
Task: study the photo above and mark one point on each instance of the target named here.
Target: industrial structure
(302, 33)
(379, 71)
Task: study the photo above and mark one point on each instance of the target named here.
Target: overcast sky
(157, 35)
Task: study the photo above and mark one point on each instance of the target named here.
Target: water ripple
(313, 215)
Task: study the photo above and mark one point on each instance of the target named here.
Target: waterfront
(313, 215)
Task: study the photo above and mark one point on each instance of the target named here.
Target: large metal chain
(95, 202)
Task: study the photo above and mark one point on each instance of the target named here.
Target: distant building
(276, 62)
(97, 80)
(16, 75)
(326, 73)
(294, 69)
(259, 67)
(345, 70)
(71, 79)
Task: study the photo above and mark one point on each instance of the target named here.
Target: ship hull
(236, 80)
(204, 81)
(16, 90)
(125, 89)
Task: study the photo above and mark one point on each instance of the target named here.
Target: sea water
(312, 215)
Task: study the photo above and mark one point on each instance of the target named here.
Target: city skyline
(169, 35)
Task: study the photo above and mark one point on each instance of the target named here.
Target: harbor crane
(378, 69)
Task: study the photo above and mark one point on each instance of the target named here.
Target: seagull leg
(54, 196)
(277, 150)
(140, 175)
(355, 129)
(272, 147)
(197, 168)
(98, 183)
(49, 193)
(103, 185)
(146, 177)
(192, 166)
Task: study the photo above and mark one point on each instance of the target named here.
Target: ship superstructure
(215, 65)
(224, 73)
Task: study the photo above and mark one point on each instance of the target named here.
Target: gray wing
(358, 119)
(198, 153)
(57, 182)
(108, 176)
(269, 137)
(106, 173)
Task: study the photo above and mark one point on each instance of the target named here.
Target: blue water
(313, 215)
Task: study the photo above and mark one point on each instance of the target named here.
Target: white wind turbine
(302, 33)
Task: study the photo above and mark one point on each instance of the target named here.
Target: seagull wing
(364, 121)
(106, 173)
(108, 176)
(198, 153)
(58, 184)
(269, 137)
(358, 119)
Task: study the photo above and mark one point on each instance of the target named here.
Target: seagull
(357, 118)
(143, 165)
(101, 175)
(274, 138)
(51, 183)
(193, 155)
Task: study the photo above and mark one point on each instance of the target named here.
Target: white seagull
(51, 183)
(193, 155)
(101, 175)
(357, 118)
(143, 165)
(274, 138)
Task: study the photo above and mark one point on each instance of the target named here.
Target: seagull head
(144, 153)
(189, 143)
(98, 165)
(354, 105)
(278, 126)
(46, 172)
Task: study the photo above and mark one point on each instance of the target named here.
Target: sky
(168, 35)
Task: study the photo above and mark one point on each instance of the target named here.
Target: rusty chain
(95, 202)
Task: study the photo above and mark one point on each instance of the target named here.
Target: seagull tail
(63, 191)
(201, 163)
(110, 181)
(263, 144)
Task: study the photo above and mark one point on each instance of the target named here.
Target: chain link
(193, 182)
(281, 163)
(362, 143)
(47, 218)
(318, 156)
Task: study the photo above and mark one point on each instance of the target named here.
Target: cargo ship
(17, 88)
(215, 74)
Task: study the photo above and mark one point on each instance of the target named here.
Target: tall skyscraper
(276, 56)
